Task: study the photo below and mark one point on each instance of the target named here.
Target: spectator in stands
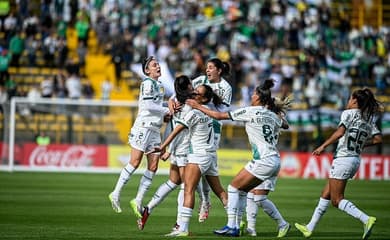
(59, 86)
(42, 139)
(88, 90)
(16, 48)
(82, 27)
(33, 45)
(47, 87)
(74, 87)
(5, 59)
(49, 49)
(3, 98)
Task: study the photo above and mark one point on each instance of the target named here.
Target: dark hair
(367, 103)
(275, 105)
(210, 95)
(264, 91)
(145, 63)
(224, 66)
(181, 88)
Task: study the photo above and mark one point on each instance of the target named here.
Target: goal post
(82, 134)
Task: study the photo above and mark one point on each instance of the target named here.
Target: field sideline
(75, 206)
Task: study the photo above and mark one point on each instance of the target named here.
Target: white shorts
(268, 184)
(207, 163)
(180, 160)
(144, 139)
(344, 167)
(265, 168)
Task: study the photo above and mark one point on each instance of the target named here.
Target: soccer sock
(124, 177)
(318, 212)
(205, 190)
(270, 209)
(233, 198)
(146, 181)
(161, 193)
(241, 206)
(351, 209)
(186, 214)
(251, 211)
(180, 200)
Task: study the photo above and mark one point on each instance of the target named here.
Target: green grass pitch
(75, 206)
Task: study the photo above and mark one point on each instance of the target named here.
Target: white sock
(241, 206)
(351, 209)
(251, 211)
(270, 209)
(318, 212)
(161, 193)
(124, 177)
(186, 214)
(146, 181)
(205, 190)
(232, 206)
(180, 200)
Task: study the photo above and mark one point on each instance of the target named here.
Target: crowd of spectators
(311, 50)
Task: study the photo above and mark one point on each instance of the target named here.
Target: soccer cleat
(303, 229)
(227, 231)
(242, 228)
(115, 204)
(177, 233)
(175, 227)
(283, 230)
(136, 209)
(368, 227)
(251, 232)
(204, 211)
(142, 221)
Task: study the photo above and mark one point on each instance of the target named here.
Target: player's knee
(259, 199)
(335, 201)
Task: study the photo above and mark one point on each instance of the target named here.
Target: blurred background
(56, 53)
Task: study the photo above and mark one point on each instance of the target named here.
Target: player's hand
(318, 150)
(193, 103)
(165, 156)
(177, 107)
(167, 117)
(154, 150)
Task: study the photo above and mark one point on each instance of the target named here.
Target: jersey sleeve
(240, 114)
(375, 130)
(227, 97)
(345, 119)
(190, 119)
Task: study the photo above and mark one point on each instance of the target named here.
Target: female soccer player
(353, 134)
(144, 135)
(262, 125)
(177, 152)
(258, 197)
(216, 70)
(202, 159)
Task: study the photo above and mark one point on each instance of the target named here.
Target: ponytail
(210, 95)
(367, 103)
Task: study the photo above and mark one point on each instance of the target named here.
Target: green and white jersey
(180, 145)
(201, 132)
(357, 132)
(150, 105)
(223, 90)
(262, 127)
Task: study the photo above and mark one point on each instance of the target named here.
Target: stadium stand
(317, 52)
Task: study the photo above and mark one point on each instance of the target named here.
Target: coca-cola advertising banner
(64, 156)
(305, 165)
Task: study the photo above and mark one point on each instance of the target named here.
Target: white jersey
(357, 132)
(201, 131)
(150, 105)
(223, 90)
(262, 127)
(181, 143)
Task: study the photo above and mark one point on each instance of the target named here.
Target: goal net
(84, 135)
